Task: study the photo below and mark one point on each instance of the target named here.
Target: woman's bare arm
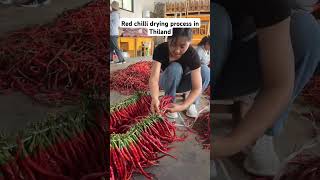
(277, 62)
(154, 79)
(196, 81)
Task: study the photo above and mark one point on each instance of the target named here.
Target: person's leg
(114, 42)
(306, 47)
(205, 75)
(221, 41)
(241, 74)
(112, 49)
(262, 160)
(170, 79)
(220, 46)
(186, 83)
(111, 55)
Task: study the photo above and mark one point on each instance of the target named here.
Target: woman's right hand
(155, 105)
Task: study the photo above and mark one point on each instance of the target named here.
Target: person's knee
(222, 29)
(300, 22)
(175, 70)
(219, 10)
(221, 25)
(303, 19)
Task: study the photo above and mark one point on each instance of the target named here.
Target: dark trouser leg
(221, 41)
(173, 81)
(114, 47)
(170, 79)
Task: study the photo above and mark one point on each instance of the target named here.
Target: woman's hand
(222, 147)
(154, 86)
(176, 108)
(155, 105)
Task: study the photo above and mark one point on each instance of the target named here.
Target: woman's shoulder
(160, 50)
(192, 57)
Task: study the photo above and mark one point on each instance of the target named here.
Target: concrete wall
(139, 6)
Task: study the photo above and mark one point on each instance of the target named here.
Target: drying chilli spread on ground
(314, 117)
(304, 166)
(53, 63)
(207, 92)
(138, 137)
(201, 127)
(131, 79)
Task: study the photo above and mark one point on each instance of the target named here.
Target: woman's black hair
(204, 41)
(181, 32)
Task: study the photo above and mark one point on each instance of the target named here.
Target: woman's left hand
(176, 108)
(224, 146)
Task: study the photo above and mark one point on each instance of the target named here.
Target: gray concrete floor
(18, 110)
(192, 161)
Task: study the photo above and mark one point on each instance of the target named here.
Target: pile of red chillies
(131, 79)
(139, 148)
(54, 63)
(303, 167)
(139, 106)
(202, 128)
(138, 139)
(207, 92)
(314, 117)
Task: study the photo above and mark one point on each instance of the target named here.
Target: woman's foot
(262, 160)
(121, 62)
(192, 111)
(172, 115)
